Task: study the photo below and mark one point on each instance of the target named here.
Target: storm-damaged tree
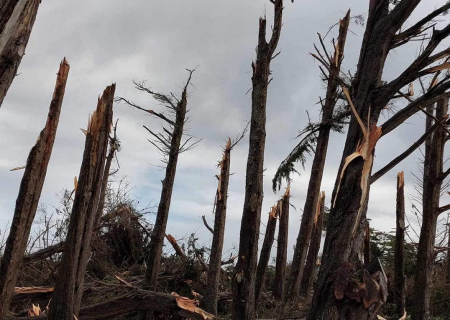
(315, 140)
(66, 299)
(29, 194)
(279, 283)
(220, 206)
(433, 177)
(314, 247)
(169, 143)
(264, 256)
(399, 263)
(243, 282)
(334, 295)
(16, 22)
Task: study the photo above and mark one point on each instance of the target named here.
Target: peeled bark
(215, 258)
(399, 263)
(159, 229)
(29, 194)
(264, 257)
(314, 247)
(243, 282)
(279, 284)
(16, 22)
(69, 283)
(430, 200)
(318, 165)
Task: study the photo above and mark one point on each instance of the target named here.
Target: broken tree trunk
(215, 258)
(264, 256)
(314, 247)
(430, 211)
(16, 22)
(399, 263)
(29, 194)
(279, 283)
(318, 165)
(69, 282)
(173, 150)
(367, 253)
(243, 282)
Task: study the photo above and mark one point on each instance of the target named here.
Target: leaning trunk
(264, 257)
(314, 247)
(244, 277)
(16, 22)
(430, 200)
(399, 263)
(215, 259)
(279, 283)
(318, 165)
(69, 282)
(29, 194)
(159, 230)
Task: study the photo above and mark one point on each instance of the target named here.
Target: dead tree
(316, 139)
(399, 263)
(169, 143)
(314, 247)
(433, 177)
(29, 194)
(369, 95)
(69, 282)
(264, 256)
(243, 284)
(215, 258)
(114, 146)
(279, 283)
(16, 22)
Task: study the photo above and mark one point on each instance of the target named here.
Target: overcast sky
(109, 41)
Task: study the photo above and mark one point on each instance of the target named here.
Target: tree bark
(399, 263)
(314, 247)
(215, 259)
(367, 253)
(16, 22)
(243, 283)
(279, 284)
(29, 194)
(159, 229)
(69, 283)
(345, 229)
(318, 165)
(430, 200)
(264, 256)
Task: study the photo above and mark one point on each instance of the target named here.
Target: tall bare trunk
(69, 283)
(16, 22)
(215, 259)
(279, 283)
(367, 251)
(264, 257)
(399, 263)
(430, 200)
(29, 195)
(243, 284)
(314, 247)
(318, 165)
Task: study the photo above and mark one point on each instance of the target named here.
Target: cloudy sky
(109, 41)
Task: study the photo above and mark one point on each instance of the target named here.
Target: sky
(108, 41)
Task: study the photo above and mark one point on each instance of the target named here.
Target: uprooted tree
(169, 143)
(368, 96)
